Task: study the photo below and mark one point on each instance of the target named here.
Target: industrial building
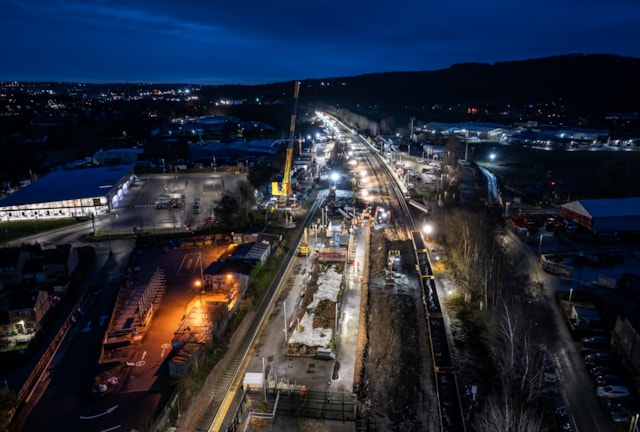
(605, 215)
(78, 193)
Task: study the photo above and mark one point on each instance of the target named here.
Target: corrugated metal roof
(68, 185)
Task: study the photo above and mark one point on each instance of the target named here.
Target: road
(575, 384)
(62, 394)
(64, 391)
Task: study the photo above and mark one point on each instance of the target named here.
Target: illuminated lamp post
(427, 229)
(199, 283)
(466, 144)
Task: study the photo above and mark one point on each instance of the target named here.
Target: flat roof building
(69, 193)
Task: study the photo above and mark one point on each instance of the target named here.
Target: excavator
(304, 250)
(284, 189)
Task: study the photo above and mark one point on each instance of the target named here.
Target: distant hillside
(585, 85)
(582, 88)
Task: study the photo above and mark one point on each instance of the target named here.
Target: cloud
(261, 41)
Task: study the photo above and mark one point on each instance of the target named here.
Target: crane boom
(285, 189)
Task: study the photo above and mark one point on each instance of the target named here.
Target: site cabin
(332, 254)
(253, 382)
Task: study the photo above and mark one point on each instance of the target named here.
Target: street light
(201, 271)
(570, 295)
(427, 229)
(466, 144)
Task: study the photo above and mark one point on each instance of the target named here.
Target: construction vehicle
(304, 250)
(284, 189)
(381, 215)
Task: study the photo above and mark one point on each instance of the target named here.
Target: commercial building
(605, 215)
(78, 193)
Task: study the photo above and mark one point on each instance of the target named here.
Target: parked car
(599, 358)
(622, 416)
(612, 391)
(593, 348)
(208, 221)
(618, 404)
(609, 379)
(557, 403)
(603, 370)
(597, 339)
(564, 423)
(550, 374)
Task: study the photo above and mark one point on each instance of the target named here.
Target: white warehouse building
(78, 193)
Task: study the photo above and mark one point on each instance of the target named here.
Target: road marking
(108, 411)
(188, 264)
(87, 329)
(144, 354)
(111, 428)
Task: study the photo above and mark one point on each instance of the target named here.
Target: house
(230, 278)
(49, 266)
(59, 262)
(32, 272)
(12, 261)
(24, 312)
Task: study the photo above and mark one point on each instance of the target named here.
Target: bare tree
(469, 237)
(504, 413)
(517, 354)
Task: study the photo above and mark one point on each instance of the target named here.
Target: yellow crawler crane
(284, 190)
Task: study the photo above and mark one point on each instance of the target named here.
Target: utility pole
(411, 136)
(201, 271)
(466, 144)
(284, 313)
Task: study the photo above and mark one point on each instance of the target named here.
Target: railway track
(239, 355)
(451, 417)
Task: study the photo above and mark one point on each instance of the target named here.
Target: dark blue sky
(251, 41)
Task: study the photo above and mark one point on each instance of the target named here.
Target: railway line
(224, 384)
(451, 417)
(390, 195)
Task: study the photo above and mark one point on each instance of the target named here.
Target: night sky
(257, 41)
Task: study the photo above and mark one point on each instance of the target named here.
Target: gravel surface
(396, 387)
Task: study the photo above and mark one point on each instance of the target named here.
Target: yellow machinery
(304, 250)
(284, 190)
